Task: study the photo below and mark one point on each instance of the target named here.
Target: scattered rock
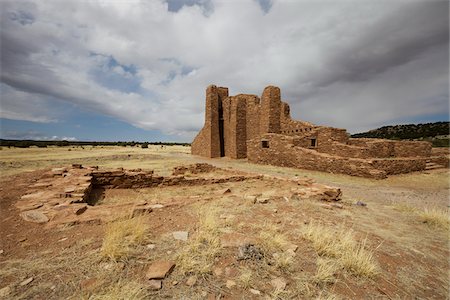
(180, 235)
(156, 206)
(1, 252)
(255, 292)
(290, 252)
(34, 216)
(26, 281)
(79, 210)
(360, 203)
(151, 246)
(278, 283)
(160, 269)
(249, 251)
(275, 211)
(292, 247)
(230, 283)
(326, 206)
(192, 280)
(154, 284)
(62, 240)
(58, 171)
(226, 191)
(69, 190)
(5, 291)
(263, 200)
(251, 198)
(332, 194)
(337, 205)
(218, 272)
(174, 283)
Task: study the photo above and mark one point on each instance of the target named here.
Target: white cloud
(344, 63)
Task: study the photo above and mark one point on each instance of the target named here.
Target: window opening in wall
(265, 144)
(313, 142)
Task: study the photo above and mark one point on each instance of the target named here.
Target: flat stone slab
(180, 235)
(160, 269)
(34, 216)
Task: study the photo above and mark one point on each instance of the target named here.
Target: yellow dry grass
(272, 240)
(198, 256)
(435, 217)
(122, 289)
(341, 245)
(326, 270)
(121, 235)
(245, 278)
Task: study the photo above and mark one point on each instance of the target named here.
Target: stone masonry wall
(270, 110)
(282, 152)
(248, 120)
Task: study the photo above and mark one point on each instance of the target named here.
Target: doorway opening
(221, 138)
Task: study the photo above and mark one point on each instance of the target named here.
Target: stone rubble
(159, 269)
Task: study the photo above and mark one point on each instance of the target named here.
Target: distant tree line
(43, 144)
(437, 133)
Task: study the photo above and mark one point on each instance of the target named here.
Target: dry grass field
(395, 247)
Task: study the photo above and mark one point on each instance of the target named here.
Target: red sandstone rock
(160, 269)
(34, 216)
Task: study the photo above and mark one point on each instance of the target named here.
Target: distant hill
(437, 132)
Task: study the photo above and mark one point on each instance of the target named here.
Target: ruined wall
(282, 151)
(411, 148)
(253, 116)
(235, 126)
(207, 142)
(249, 120)
(290, 126)
(270, 110)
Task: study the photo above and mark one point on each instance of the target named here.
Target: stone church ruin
(262, 130)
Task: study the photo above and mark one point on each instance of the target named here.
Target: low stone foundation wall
(136, 180)
(282, 152)
(193, 169)
(399, 165)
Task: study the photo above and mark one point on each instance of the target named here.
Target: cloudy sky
(138, 69)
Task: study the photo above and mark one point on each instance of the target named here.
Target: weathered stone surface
(154, 284)
(34, 216)
(279, 283)
(80, 209)
(26, 281)
(230, 284)
(262, 200)
(159, 269)
(191, 281)
(255, 292)
(180, 235)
